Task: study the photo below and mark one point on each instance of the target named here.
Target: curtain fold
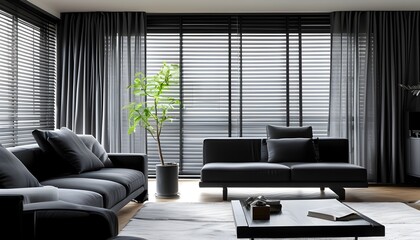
(372, 53)
(98, 55)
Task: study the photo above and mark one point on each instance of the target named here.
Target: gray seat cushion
(129, 178)
(327, 172)
(243, 172)
(111, 192)
(82, 197)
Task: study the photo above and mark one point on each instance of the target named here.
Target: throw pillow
(13, 174)
(276, 132)
(40, 137)
(290, 150)
(264, 151)
(71, 148)
(96, 148)
(316, 149)
(51, 165)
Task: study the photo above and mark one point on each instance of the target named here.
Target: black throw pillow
(13, 174)
(40, 137)
(276, 132)
(316, 149)
(72, 149)
(51, 165)
(290, 150)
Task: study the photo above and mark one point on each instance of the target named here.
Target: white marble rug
(202, 221)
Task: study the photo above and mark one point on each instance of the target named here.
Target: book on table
(334, 213)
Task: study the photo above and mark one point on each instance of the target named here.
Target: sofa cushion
(327, 172)
(111, 192)
(316, 149)
(129, 178)
(41, 137)
(71, 149)
(240, 172)
(96, 148)
(290, 150)
(13, 174)
(276, 132)
(82, 197)
(51, 165)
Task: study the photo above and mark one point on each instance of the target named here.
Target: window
(27, 76)
(238, 74)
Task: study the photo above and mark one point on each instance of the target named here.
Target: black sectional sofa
(123, 179)
(69, 199)
(246, 162)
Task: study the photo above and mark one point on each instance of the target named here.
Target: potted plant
(152, 114)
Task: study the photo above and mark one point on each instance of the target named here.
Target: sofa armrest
(333, 150)
(11, 208)
(33, 194)
(63, 220)
(136, 161)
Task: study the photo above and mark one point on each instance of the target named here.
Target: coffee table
(293, 222)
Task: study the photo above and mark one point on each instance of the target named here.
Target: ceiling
(55, 7)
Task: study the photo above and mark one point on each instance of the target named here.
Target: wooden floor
(191, 192)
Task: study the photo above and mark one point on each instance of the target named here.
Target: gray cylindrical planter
(167, 180)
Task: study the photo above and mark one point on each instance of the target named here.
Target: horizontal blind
(240, 73)
(163, 44)
(264, 75)
(284, 77)
(205, 87)
(27, 76)
(316, 55)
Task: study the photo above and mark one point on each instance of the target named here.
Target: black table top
(293, 222)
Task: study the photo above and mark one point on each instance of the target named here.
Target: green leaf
(152, 115)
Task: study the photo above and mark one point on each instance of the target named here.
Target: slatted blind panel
(205, 65)
(316, 55)
(163, 44)
(263, 80)
(240, 73)
(316, 81)
(27, 77)
(284, 75)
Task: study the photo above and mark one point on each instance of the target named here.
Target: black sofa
(243, 162)
(121, 180)
(60, 203)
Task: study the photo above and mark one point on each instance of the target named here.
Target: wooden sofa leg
(341, 192)
(225, 192)
(322, 189)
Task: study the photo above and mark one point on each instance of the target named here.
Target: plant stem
(158, 135)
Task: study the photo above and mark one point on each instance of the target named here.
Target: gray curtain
(98, 55)
(372, 53)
